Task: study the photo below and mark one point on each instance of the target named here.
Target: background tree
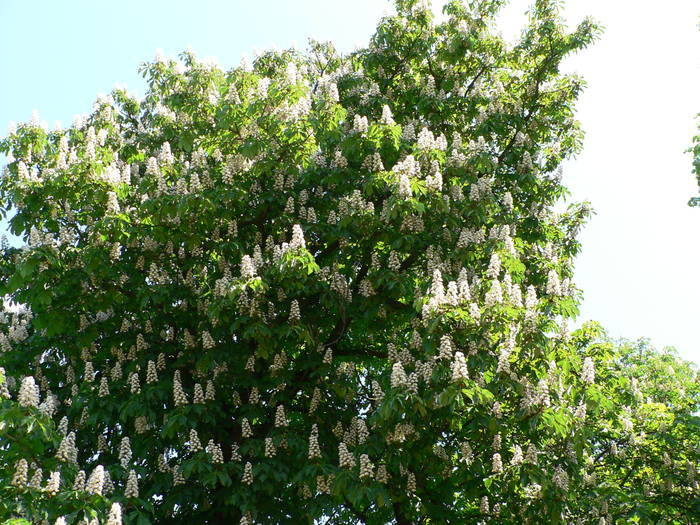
(695, 151)
(643, 451)
(327, 286)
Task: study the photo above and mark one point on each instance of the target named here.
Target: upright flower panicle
(28, 393)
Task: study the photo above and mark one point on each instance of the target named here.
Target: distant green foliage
(695, 151)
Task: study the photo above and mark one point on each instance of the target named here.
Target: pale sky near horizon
(640, 252)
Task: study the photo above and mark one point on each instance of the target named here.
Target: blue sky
(639, 266)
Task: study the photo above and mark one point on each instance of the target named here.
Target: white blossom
(247, 473)
(366, 467)
(298, 241)
(115, 515)
(387, 116)
(95, 482)
(398, 376)
(346, 460)
(132, 486)
(496, 464)
(495, 294)
(460, 372)
(28, 393)
(588, 371)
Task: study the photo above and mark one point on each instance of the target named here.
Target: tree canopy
(695, 152)
(327, 287)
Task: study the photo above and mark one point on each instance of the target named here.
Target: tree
(325, 287)
(644, 430)
(695, 151)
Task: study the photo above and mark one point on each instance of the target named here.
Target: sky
(639, 265)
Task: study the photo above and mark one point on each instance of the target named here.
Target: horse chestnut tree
(322, 288)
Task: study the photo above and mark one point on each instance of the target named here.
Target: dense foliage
(327, 287)
(695, 151)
